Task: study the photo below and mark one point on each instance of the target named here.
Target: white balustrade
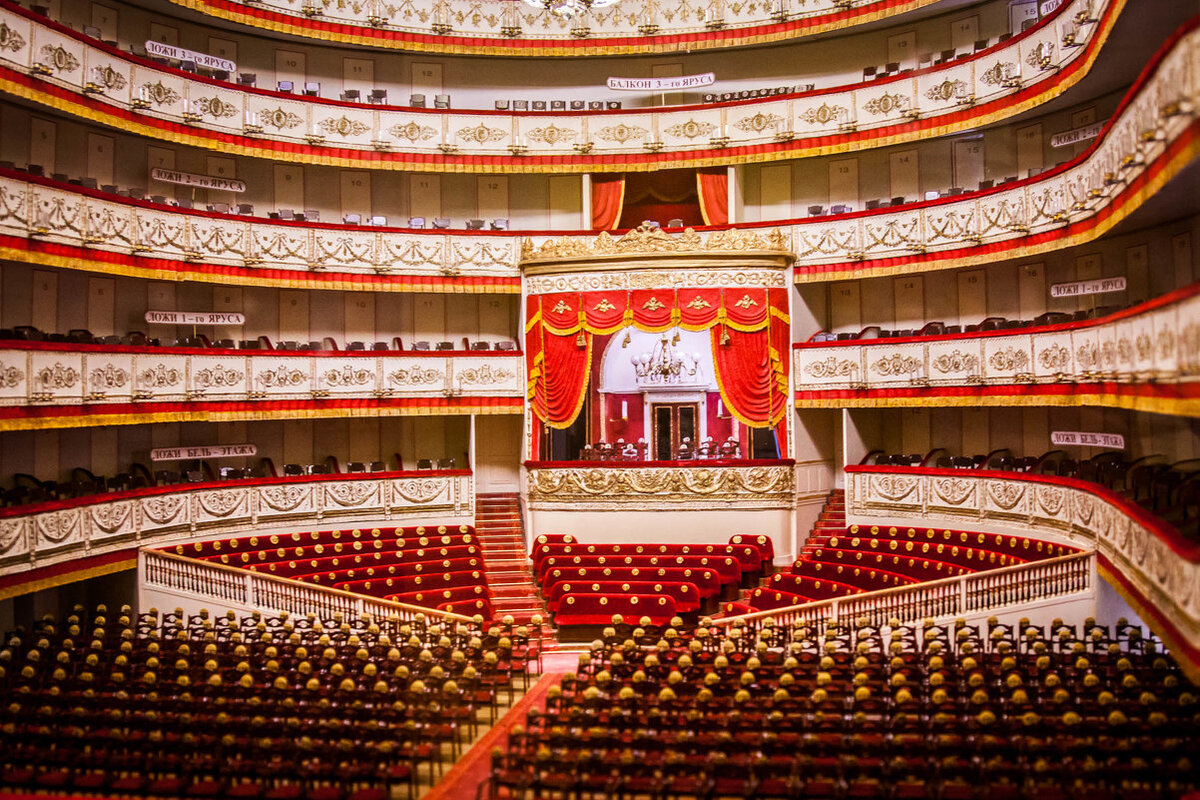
(988, 592)
(41, 374)
(111, 78)
(1157, 341)
(40, 535)
(215, 584)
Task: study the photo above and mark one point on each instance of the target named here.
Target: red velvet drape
(750, 374)
(712, 185)
(608, 197)
(750, 365)
(557, 394)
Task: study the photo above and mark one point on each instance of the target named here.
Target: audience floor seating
(251, 707)
(959, 712)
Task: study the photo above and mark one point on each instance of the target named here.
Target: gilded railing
(496, 27)
(95, 380)
(1151, 138)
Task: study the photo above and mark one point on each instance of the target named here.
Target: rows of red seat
(589, 583)
(440, 567)
(417, 535)
(858, 560)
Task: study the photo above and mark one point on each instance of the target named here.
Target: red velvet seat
(591, 609)
(707, 581)
(685, 595)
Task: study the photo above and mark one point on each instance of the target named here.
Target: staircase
(830, 522)
(502, 545)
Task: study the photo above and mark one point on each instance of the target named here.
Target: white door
(1029, 150)
(100, 158)
(356, 193)
(902, 50)
(497, 453)
(845, 309)
(359, 73)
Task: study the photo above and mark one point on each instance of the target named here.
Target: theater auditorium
(579, 399)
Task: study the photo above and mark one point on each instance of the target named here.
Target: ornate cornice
(611, 488)
(145, 99)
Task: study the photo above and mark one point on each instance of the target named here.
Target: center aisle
(469, 772)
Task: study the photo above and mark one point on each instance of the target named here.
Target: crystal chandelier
(569, 8)
(665, 364)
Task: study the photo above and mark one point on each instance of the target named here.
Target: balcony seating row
(990, 324)
(29, 333)
(200, 706)
(28, 489)
(1169, 490)
(959, 712)
(445, 223)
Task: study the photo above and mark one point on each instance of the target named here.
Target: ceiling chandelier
(665, 364)
(569, 8)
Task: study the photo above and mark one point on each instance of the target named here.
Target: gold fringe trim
(348, 284)
(1129, 204)
(1178, 407)
(650, 47)
(100, 419)
(16, 590)
(525, 165)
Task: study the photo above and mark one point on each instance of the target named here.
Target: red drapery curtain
(556, 392)
(749, 341)
(712, 185)
(608, 197)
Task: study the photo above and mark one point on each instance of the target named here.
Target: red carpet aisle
(464, 778)
(502, 544)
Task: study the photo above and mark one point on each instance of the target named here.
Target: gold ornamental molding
(650, 248)
(661, 488)
(1146, 358)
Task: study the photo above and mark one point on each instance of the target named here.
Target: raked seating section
(272, 707)
(436, 566)
(857, 560)
(589, 583)
(962, 712)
